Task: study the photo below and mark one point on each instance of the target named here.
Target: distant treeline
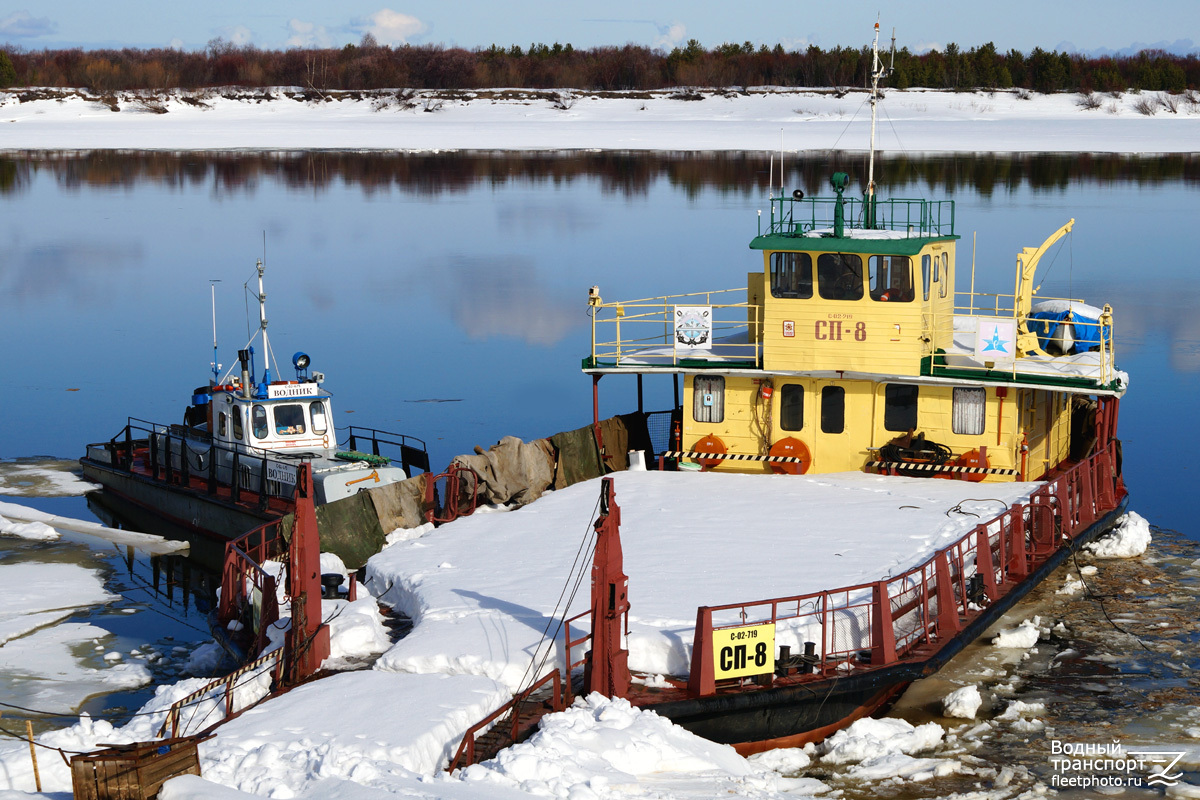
(372, 66)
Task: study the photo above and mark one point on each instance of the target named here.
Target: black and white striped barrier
(916, 467)
(905, 465)
(731, 457)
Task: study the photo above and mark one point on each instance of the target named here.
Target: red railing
(879, 623)
(570, 645)
(227, 686)
(248, 592)
(466, 748)
(456, 500)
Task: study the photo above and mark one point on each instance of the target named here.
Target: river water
(444, 296)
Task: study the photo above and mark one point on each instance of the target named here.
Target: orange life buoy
(793, 448)
(709, 444)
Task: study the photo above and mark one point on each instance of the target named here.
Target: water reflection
(464, 275)
(625, 173)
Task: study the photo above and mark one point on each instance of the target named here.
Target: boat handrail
(643, 332)
(877, 623)
(914, 217)
(413, 451)
(169, 458)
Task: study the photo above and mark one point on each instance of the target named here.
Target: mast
(262, 323)
(216, 368)
(878, 72)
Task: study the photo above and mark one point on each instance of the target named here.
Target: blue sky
(1092, 26)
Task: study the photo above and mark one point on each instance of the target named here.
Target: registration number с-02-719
(740, 652)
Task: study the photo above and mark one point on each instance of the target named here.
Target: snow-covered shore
(755, 119)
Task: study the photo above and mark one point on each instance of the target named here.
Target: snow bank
(16, 770)
(1128, 538)
(482, 590)
(962, 703)
(927, 121)
(597, 749)
(358, 726)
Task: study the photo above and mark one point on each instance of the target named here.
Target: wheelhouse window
(258, 422)
(967, 416)
(944, 286)
(833, 409)
(840, 276)
(708, 398)
(899, 407)
(317, 411)
(289, 419)
(791, 275)
(891, 279)
(926, 266)
(791, 407)
(237, 422)
(222, 425)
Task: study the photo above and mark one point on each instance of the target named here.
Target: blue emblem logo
(996, 343)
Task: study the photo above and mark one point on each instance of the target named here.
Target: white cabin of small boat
(295, 416)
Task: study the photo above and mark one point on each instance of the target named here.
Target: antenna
(781, 190)
(878, 73)
(216, 368)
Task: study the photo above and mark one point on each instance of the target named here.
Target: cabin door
(842, 423)
(793, 419)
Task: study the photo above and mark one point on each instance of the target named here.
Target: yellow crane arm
(1027, 261)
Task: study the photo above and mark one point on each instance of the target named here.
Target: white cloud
(307, 34)
(925, 47)
(23, 25)
(669, 36)
(389, 27)
(237, 35)
(799, 43)
(175, 44)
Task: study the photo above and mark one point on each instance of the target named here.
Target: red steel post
(947, 619)
(883, 633)
(983, 562)
(609, 663)
(702, 679)
(307, 642)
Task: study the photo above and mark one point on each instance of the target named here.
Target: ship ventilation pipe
(839, 181)
(244, 360)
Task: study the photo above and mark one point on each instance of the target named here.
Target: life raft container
(709, 444)
(790, 447)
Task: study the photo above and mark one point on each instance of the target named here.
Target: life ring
(972, 458)
(790, 447)
(709, 444)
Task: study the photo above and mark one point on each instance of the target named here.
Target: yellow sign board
(740, 652)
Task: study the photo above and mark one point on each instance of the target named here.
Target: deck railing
(223, 693)
(411, 450)
(914, 217)
(248, 592)
(512, 710)
(176, 455)
(980, 308)
(643, 332)
(877, 624)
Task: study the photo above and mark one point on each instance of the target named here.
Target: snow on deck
(928, 120)
(482, 590)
